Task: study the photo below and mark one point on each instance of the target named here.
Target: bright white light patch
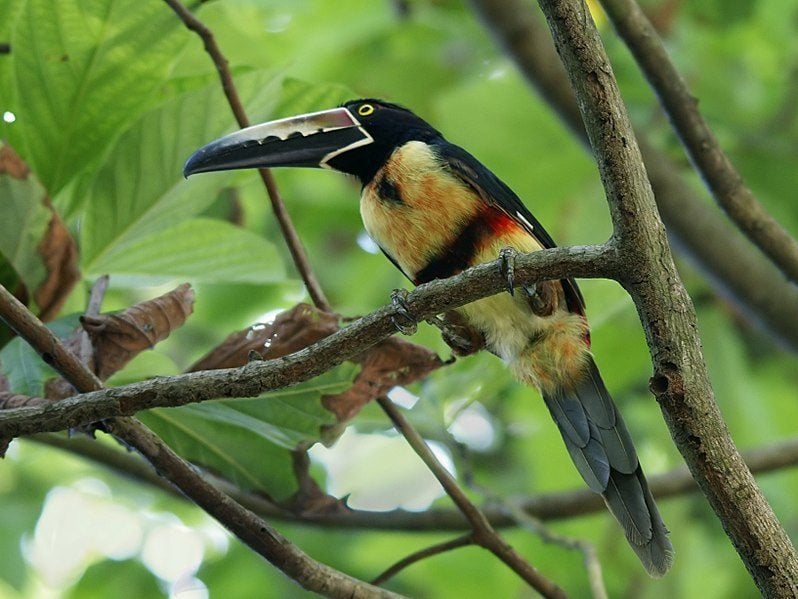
(402, 397)
(9, 117)
(380, 472)
(367, 243)
(76, 526)
(189, 587)
(172, 552)
(473, 426)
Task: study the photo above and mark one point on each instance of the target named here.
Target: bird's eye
(365, 109)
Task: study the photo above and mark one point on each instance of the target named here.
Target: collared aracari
(435, 210)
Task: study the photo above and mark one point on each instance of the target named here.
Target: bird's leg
(507, 256)
(399, 303)
(462, 338)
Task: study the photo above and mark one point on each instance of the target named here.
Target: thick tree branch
(243, 523)
(278, 206)
(551, 506)
(483, 534)
(680, 381)
(735, 268)
(703, 147)
(257, 377)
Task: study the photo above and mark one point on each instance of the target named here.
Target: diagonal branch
(680, 380)
(483, 534)
(703, 147)
(257, 377)
(278, 206)
(246, 525)
(735, 268)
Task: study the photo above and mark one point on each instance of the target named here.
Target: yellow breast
(432, 207)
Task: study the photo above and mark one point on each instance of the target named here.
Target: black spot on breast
(388, 192)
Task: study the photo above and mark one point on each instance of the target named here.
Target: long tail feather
(602, 450)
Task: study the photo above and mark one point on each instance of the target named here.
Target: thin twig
(483, 533)
(93, 306)
(243, 523)
(716, 169)
(546, 507)
(283, 218)
(514, 508)
(417, 556)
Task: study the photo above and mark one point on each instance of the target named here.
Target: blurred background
(104, 100)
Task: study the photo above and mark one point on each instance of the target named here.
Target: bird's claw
(507, 256)
(403, 319)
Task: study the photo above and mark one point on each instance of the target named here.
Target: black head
(356, 138)
(390, 126)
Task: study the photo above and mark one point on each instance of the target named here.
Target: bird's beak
(306, 140)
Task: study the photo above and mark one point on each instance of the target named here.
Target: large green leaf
(140, 190)
(248, 440)
(202, 249)
(83, 69)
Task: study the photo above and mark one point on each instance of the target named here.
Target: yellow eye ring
(365, 110)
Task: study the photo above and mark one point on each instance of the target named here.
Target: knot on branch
(667, 382)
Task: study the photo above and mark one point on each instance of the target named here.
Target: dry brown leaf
(291, 331)
(390, 363)
(118, 338)
(57, 249)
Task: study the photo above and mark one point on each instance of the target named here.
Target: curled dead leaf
(56, 249)
(390, 363)
(118, 338)
(291, 331)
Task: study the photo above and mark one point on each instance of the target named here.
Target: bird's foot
(403, 319)
(507, 256)
(541, 297)
(462, 338)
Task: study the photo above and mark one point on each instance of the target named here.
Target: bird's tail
(602, 450)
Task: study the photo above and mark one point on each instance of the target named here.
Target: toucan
(435, 210)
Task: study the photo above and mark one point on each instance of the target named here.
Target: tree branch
(702, 146)
(258, 377)
(298, 253)
(243, 523)
(680, 380)
(735, 268)
(547, 507)
(483, 534)
(431, 551)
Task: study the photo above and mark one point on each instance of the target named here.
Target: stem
(295, 247)
(483, 533)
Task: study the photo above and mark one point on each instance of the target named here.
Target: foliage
(111, 96)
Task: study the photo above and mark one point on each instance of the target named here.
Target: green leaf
(24, 217)
(249, 440)
(201, 249)
(83, 69)
(22, 366)
(24, 369)
(144, 170)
